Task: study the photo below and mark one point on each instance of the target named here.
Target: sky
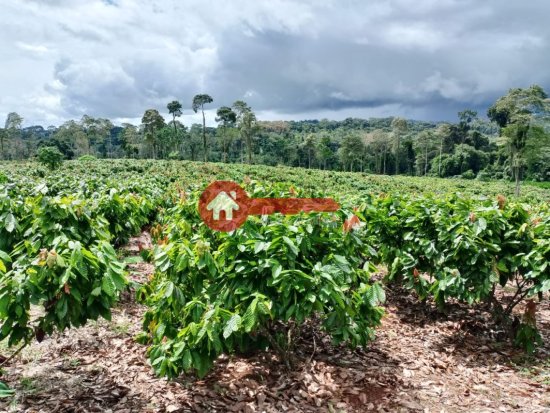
(289, 60)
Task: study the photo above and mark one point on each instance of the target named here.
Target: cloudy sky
(423, 59)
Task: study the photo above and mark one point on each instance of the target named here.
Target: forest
(512, 142)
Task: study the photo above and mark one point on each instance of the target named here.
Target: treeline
(513, 143)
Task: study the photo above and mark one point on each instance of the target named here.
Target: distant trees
(195, 140)
(516, 144)
(50, 157)
(3, 138)
(226, 118)
(152, 122)
(12, 131)
(309, 146)
(425, 148)
(517, 114)
(174, 109)
(324, 151)
(198, 103)
(351, 152)
(464, 158)
(380, 145)
(399, 128)
(129, 139)
(247, 124)
(98, 135)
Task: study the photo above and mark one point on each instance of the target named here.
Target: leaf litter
(421, 361)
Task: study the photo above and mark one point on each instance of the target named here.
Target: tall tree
(12, 130)
(351, 151)
(98, 135)
(130, 140)
(3, 138)
(174, 109)
(309, 146)
(425, 146)
(324, 151)
(194, 141)
(226, 118)
(152, 122)
(465, 120)
(381, 142)
(440, 132)
(399, 127)
(246, 121)
(517, 114)
(198, 103)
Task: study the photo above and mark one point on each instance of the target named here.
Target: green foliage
(528, 337)
(217, 293)
(85, 158)
(70, 282)
(469, 174)
(58, 267)
(460, 248)
(518, 113)
(50, 157)
(5, 391)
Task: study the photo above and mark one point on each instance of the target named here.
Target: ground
(421, 361)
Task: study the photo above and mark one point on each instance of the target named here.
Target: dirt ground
(421, 361)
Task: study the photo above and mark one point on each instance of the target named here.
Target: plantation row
(57, 250)
(215, 293)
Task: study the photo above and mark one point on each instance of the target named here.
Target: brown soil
(421, 361)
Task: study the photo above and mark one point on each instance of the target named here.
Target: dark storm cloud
(426, 59)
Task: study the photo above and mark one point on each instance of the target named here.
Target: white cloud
(287, 58)
(34, 48)
(448, 88)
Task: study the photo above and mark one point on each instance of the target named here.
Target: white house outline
(223, 202)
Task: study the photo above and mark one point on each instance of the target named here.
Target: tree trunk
(249, 147)
(426, 159)
(440, 154)
(241, 150)
(224, 147)
(175, 134)
(384, 170)
(204, 133)
(397, 155)
(517, 173)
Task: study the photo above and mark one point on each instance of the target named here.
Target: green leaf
(5, 391)
(187, 360)
(169, 289)
(232, 325)
(108, 286)
(61, 308)
(10, 222)
(291, 245)
(259, 246)
(250, 316)
(376, 295)
(502, 266)
(276, 270)
(4, 257)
